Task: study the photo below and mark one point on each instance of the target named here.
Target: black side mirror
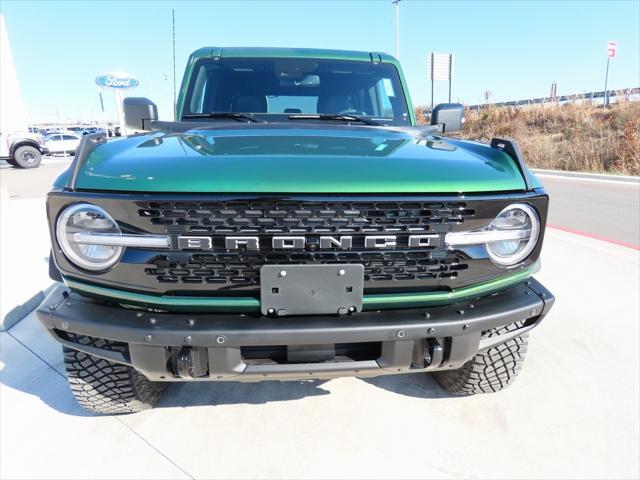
(450, 116)
(139, 112)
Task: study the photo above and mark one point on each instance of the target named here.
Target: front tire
(488, 371)
(27, 157)
(105, 387)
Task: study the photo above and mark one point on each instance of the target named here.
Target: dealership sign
(117, 81)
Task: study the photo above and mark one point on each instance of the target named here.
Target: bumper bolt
(191, 322)
(271, 311)
(461, 312)
(139, 314)
(187, 339)
(152, 321)
(471, 305)
(427, 315)
(431, 330)
(283, 273)
(466, 326)
(148, 338)
(341, 272)
(401, 333)
(352, 309)
(221, 339)
(65, 325)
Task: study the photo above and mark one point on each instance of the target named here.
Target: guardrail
(626, 94)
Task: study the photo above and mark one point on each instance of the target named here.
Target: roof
(271, 52)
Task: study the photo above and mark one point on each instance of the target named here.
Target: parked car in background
(22, 149)
(65, 142)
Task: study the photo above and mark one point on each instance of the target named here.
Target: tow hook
(191, 362)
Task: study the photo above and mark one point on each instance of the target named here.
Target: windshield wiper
(339, 117)
(240, 117)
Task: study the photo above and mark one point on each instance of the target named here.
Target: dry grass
(579, 137)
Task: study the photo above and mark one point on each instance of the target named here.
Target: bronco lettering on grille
(299, 243)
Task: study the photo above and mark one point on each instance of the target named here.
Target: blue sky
(515, 49)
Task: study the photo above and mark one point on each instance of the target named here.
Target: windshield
(274, 88)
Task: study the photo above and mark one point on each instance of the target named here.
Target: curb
(587, 176)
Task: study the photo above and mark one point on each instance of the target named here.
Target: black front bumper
(181, 346)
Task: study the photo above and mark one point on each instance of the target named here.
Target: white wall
(13, 115)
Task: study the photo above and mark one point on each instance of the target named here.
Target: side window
(386, 95)
(68, 137)
(199, 88)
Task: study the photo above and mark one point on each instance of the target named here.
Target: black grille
(304, 217)
(219, 271)
(267, 218)
(243, 268)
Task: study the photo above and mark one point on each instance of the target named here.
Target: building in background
(13, 115)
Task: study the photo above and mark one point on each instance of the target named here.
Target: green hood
(301, 158)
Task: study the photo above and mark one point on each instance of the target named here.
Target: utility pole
(173, 29)
(397, 4)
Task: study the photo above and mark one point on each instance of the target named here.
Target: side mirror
(139, 112)
(448, 115)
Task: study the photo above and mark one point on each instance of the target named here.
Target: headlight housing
(84, 218)
(509, 238)
(520, 220)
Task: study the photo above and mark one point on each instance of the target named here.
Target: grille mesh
(268, 218)
(244, 267)
(303, 217)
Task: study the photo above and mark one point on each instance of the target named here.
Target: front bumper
(181, 346)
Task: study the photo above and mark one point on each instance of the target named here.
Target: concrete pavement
(573, 413)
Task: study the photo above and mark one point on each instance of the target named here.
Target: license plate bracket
(311, 289)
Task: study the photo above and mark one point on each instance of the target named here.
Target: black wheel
(489, 371)
(27, 157)
(105, 387)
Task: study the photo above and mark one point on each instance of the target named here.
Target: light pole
(397, 4)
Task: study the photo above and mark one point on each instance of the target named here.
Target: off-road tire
(488, 371)
(105, 387)
(27, 157)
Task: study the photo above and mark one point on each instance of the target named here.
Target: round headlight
(520, 223)
(84, 218)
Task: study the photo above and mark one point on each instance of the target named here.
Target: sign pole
(606, 80)
(117, 81)
(104, 115)
(450, 73)
(612, 48)
(432, 67)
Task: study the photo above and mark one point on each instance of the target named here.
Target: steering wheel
(352, 111)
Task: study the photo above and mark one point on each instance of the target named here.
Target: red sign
(611, 49)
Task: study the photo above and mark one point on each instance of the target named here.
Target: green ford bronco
(294, 222)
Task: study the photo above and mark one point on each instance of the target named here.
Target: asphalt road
(605, 209)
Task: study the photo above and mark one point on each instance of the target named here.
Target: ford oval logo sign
(117, 80)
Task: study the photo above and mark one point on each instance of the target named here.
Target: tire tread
(488, 371)
(105, 387)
